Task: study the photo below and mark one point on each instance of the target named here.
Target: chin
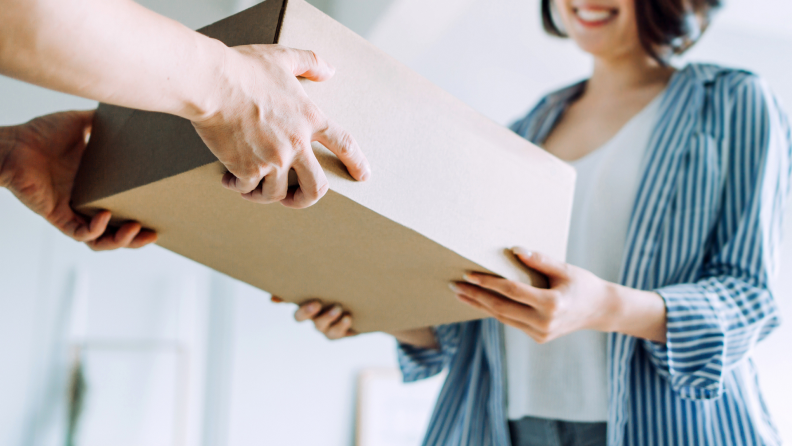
(599, 47)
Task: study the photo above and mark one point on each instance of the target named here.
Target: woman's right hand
(330, 320)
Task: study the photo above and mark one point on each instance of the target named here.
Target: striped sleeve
(712, 324)
(420, 363)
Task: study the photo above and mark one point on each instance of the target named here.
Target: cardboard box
(450, 190)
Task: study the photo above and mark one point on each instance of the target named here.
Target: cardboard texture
(450, 190)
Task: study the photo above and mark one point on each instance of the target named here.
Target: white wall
(268, 379)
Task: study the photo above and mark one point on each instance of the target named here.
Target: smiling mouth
(595, 16)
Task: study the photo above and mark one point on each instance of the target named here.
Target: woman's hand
(331, 320)
(576, 300)
(335, 323)
(38, 164)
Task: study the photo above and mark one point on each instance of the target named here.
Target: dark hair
(665, 27)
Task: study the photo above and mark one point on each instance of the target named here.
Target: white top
(566, 379)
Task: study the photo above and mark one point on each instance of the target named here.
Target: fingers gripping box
(450, 190)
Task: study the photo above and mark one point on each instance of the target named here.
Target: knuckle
(272, 198)
(260, 199)
(551, 327)
(540, 338)
(346, 144)
(321, 189)
(313, 59)
(498, 306)
(281, 156)
(251, 172)
(315, 117)
(273, 192)
(552, 302)
(316, 190)
(341, 141)
(543, 326)
(255, 196)
(297, 142)
(511, 288)
(280, 50)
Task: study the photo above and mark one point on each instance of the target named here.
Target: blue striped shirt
(704, 234)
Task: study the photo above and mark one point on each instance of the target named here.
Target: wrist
(636, 313)
(612, 308)
(204, 97)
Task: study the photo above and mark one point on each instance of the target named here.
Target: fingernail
(522, 252)
(336, 311)
(454, 287)
(346, 319)
(365, 175)
(276, 299)
(472, 279)
(313, 307)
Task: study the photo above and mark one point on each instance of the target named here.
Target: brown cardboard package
(450, 190)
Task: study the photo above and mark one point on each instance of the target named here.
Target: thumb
(307, 64)
(552, 268)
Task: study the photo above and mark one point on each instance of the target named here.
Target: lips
(593, 16)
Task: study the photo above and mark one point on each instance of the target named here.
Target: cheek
(562, 14)
(628, 26)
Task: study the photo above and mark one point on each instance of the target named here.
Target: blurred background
(148, 348)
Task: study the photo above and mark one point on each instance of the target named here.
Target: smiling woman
(663, 28)
(645, 336)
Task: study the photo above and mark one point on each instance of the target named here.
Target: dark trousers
(530, 431)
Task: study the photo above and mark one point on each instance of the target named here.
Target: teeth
(594, 15)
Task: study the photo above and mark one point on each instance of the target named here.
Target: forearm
(419, 337)
(113, 51)
(636, 313)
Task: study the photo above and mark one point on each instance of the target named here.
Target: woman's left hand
(576, 299)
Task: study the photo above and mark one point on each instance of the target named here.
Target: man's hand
(38, 164)
(264, 123)
(245, 102)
